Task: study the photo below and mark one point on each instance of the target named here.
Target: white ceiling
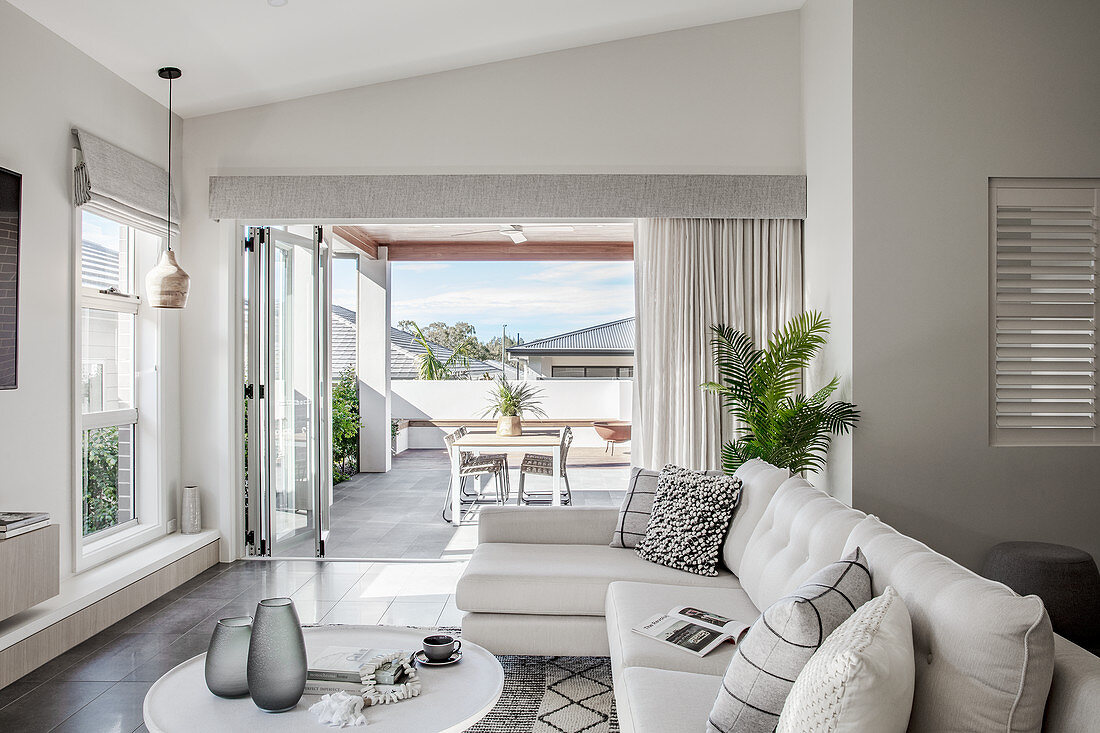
(240, 53)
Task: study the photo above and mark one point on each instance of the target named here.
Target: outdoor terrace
(399, 514)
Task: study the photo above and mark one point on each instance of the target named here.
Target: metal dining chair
(540, 464)
(473, 466)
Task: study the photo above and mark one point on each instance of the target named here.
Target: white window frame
(1059, 291)
(149, 473)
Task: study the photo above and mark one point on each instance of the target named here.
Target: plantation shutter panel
(1044, 312)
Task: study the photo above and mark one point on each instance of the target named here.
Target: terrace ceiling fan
(515, 231)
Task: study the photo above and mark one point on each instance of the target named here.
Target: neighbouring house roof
(342, 346)
(404, 350)
(607, 339)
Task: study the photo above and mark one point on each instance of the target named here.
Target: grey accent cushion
(770, 656)
(636, 509)
(691, 513)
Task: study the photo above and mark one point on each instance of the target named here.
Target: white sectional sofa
(544, 581)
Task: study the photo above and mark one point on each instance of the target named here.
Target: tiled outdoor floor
(99, 686)
(399, 514)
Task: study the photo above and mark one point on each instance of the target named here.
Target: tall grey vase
(276, 656)
(227, 657)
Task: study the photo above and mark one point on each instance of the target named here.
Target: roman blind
(1044, 311)
(121, 185)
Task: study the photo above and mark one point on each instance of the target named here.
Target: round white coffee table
(453, 697)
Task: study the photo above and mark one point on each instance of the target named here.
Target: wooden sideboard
(30, 569)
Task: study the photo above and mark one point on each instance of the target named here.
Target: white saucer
(422, 658)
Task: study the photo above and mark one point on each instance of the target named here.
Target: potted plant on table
(509, 402)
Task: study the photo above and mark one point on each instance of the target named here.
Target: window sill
(98, 550)
(80, 591)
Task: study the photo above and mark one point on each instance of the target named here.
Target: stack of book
(337, 669)
(13, 524)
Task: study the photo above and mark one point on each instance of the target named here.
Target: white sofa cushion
(802, 530)
(636, 509)
(759, 482)
(629, 604)
(770, 656)
(662, 701)
(505, 577)
(861, 679)
(984, 655)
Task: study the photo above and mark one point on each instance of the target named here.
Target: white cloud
(529, 300)
(420, 266)
(348, 298)
(584, 272)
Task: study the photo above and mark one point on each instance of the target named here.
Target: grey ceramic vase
(276, 657)
(227, 657)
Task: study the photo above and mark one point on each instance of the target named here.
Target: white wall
(562, 399)
(947, 94)
(827, 234)
(47, 87)
(717, 99)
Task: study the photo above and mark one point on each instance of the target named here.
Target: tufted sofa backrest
(759, 482)
(984, 655)
(801, 531)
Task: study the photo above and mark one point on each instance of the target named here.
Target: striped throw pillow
(770, 656)
(636, 509)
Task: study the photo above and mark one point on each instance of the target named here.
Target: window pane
(626, 372)
(601, 372)
(107, 361)
(568, 372)
(108, 478)
(104, 254)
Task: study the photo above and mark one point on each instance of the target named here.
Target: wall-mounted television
(11, 188)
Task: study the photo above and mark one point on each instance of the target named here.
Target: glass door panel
(286, 389)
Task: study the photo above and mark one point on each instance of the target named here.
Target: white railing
(562, 399)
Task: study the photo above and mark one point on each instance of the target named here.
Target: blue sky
(535, 299)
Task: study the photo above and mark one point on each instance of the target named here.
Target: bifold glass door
(287, 390)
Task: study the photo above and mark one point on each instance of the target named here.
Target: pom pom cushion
(780, 643)
(861, 679)
(691, 513)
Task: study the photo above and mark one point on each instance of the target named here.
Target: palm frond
(757, 387)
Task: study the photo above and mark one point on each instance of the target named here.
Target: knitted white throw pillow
(861, 678)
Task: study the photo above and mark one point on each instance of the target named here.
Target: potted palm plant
(757, 386)
(509, 402)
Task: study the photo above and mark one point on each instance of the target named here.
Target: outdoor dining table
(539, 441)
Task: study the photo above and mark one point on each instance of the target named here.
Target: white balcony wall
(562, 399)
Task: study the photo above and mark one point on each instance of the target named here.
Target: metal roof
(614, 338)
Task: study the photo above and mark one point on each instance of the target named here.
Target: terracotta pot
(509, 426)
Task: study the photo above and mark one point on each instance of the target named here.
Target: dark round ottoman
(1064, 577)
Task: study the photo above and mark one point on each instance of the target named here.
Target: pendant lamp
(167, 284)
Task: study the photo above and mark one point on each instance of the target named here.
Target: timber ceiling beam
(356, 237)
(483, 250)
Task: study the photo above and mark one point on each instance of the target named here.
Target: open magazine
(693, 630)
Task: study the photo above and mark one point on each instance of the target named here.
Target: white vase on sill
(191, 511)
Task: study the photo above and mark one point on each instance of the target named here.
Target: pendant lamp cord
(168, 215)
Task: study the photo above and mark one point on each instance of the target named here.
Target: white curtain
(691, 274)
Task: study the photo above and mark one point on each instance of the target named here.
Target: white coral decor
(340, 709)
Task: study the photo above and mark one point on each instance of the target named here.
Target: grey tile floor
(399, 514)
(99, 686)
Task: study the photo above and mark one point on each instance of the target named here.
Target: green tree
(787, 430)
(100, 494)
(345, 426)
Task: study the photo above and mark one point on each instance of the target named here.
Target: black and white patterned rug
(553, 695)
